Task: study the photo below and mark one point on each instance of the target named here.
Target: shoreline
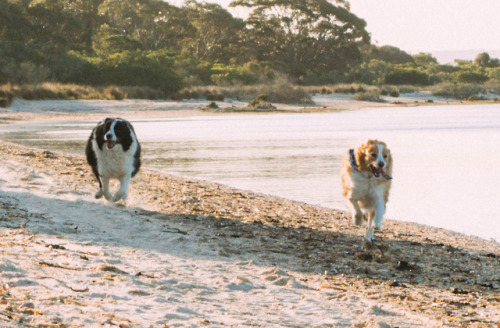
(52, 110)
(61, 244)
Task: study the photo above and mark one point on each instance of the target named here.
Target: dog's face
(374, 156)
(113, 131)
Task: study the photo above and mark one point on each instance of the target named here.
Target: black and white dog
(113, 151)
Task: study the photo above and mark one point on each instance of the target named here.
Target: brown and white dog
(366, 181)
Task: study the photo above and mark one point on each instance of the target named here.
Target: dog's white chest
(364, 187)
(115, 163)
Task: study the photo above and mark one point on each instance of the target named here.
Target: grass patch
(60, 91)
(460, 91)
(340, 88)
(373, 96)
(6, 97)
(353, 88)
(260, 102)
(492, 87)
(284, 93)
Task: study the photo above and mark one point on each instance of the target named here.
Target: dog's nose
(109, 136)
(381, 164)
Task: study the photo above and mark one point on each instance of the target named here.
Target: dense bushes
(457, 90)
(131, 68)
(278, 92)
(471, 77)
(408, 76)
(58, 91)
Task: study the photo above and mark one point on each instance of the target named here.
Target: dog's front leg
(369, 234)
(105, 187)
(379, 213)
(122, 193)
(357, 215)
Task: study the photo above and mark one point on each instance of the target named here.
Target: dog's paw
(119, 195)
(369, 244)
(369, 235)
(357, 219)
(99, 194)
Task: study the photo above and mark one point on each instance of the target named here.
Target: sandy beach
(185, 253)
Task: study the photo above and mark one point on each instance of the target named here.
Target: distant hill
(449, 56)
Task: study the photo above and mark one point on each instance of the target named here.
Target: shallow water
(445, 157)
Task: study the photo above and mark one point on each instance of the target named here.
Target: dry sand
(186, 253)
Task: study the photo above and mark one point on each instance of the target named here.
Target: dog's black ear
(100, 131)
(124, 131)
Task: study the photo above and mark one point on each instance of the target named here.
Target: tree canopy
(155, 44)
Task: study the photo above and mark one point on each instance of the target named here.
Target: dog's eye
(385, 156)
(374, 155)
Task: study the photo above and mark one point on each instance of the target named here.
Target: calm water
(446, 159)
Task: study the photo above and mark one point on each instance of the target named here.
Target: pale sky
(430, 25)
(423, 25)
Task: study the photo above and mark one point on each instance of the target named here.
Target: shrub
(26, 72)
(494, 73)
(394, 93)
(388, 90)
(476, 97)
(114, 93)
(133, 68)
(215, 96)
(231, 74)
(6, 95)
(471, 77)
(492, 87)
(212, 105)
(457, 90)
(260, 103)
(282, 92)
(368, 96)
(407, 76)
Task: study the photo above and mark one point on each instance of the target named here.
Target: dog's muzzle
(110, 142)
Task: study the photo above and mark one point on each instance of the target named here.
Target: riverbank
(46, 110)
(186, 252)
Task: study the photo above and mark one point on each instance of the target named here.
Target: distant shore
(49, 110)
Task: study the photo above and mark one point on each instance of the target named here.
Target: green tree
(390, 54)
(153, 23)
(471, 77)
(483, 59)
(216, 35)
(423, 59)
(303, 35)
